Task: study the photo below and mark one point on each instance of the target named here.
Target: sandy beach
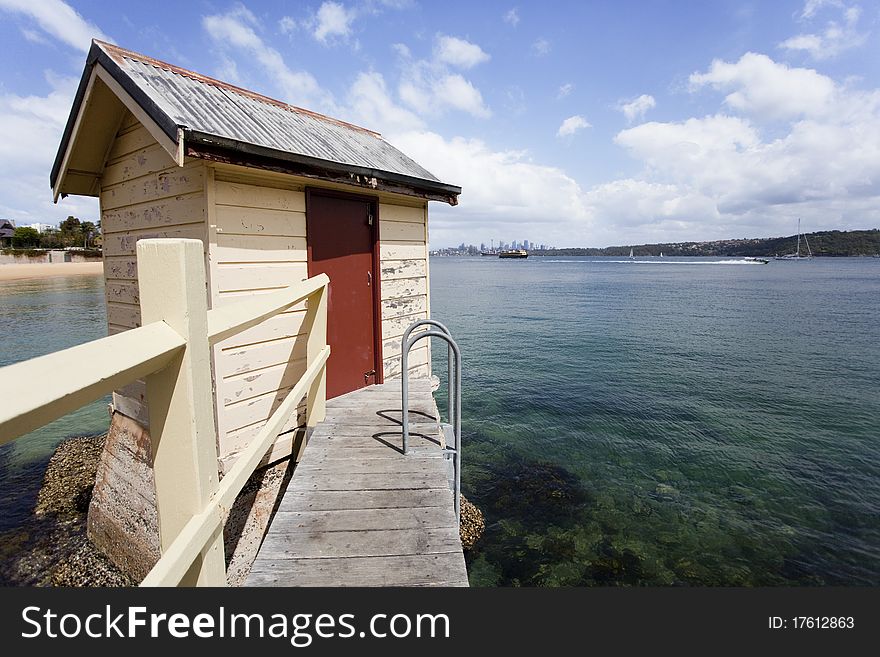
(16, 271)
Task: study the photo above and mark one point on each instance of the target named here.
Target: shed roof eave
(200, 143)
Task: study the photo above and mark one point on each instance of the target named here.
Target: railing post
(316, 326)
(180, 398)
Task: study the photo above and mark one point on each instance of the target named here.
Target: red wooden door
(342, 244)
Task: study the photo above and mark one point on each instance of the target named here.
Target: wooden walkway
(357, 512)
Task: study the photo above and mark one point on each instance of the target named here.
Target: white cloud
(460, 94)
(30, 132)
(564, 90)
(429, 88)
(370, 104)
(636, 108)
(500, 188)
(571, 125)
(821, 163)
(287, 25)
(235, 30)
(835, 38)
(811, 7)
(541, 47)
(768, 89)
(58, 19)
(458, 52)
(332, 20)
(512, 17)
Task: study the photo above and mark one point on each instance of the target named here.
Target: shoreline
(26, 271)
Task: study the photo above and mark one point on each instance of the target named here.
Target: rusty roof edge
(112, 49)
(252, 149)
(98, 55)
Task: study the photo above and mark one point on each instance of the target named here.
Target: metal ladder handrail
(454, 395)
(405, 359)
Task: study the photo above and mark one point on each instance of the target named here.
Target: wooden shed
(276, 194)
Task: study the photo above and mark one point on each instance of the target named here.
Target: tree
(71, 231)
(88, 232)
(25, 237)
(50, 239)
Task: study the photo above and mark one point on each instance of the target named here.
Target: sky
(566, 123)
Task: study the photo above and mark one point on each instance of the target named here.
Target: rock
(667, 491)
(472, 524)
(70, 477)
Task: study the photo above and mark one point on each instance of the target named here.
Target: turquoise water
(38, 317)
(668, 422)
(656, 422)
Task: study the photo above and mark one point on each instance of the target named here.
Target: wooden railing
(171, 350)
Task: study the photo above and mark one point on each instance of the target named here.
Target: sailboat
(797, 254)
(631, 256)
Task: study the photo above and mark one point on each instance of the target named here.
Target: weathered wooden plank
(129, 140)
(120, 267)
(400, 288)
(354, 466)
(431, 517)
(258, 196)
(356, 500)
(283, 325)
(124, 314)
(391, 371)
(400, 250)
(234, 441)
(172, 182)
(391, 401)
(151, 159)
(284, 446)
(235, 296)
(365, 453)
(402, 230)
(328, 500)
(256, 248)
(163, 213)
(369, 481)
(360, 543)
(260, 276)
(233, 219)
(261, 382)
(420, 437)
(418, 356)
(122, 292)
(238, 360)
(396, 212)
(392, 269)
(383, 416)
(404, 307)
(441, 569)
(255, 409)
(129, 120)
(395, 326)
(118, 244)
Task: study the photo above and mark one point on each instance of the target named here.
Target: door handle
(369, 278)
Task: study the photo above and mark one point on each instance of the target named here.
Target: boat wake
(664, 261)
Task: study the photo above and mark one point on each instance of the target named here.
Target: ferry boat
(514, 253)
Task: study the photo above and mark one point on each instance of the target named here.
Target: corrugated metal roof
(205, 108)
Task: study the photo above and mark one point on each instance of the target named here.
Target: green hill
(822, 243)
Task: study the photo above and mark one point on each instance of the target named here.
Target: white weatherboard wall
(254, 227)
(257, 233)
(143, 194)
